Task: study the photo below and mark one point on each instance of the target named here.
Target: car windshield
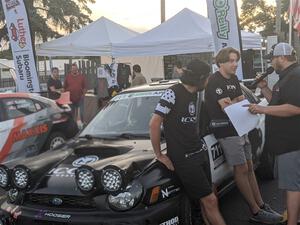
(124, 116)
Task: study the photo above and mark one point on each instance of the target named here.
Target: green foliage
(48, 18)
(257, 15)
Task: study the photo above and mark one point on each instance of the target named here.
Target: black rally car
(109, 175)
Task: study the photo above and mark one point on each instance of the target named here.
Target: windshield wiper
(90, 137)
(132, 135)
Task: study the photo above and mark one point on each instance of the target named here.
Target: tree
(257, 15)
(48, 18)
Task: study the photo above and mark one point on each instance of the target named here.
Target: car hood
(129, 155)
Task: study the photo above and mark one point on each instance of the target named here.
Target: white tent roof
(186, 32)
(95, 39)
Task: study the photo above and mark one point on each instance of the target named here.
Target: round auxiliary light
(85, 179)
(112, 178)
(4, 177)
(20, 177)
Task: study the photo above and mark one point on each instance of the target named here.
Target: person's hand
(262, 84)
(255, 109)
(164, 159)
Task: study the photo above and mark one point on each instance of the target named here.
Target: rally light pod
(5, 177)
(21, 177)
(112, 179)
(86, 179)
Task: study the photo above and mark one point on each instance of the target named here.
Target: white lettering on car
(173, 221)
(57, 215)
(62, 172)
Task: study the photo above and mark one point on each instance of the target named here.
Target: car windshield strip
(132, 135)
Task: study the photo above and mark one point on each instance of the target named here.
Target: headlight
(4, 177)
(85, 179)
(20, 177)
(127, 199)
(112, 178)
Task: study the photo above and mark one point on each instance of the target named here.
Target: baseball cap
(195, 73)
(280, 49)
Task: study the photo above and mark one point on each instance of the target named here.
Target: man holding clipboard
(223, 89)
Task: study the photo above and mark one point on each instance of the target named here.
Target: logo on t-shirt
(219, 91)
(192, 109)
(231, 87)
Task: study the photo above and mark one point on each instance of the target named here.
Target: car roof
(153, 86)
(26, 95)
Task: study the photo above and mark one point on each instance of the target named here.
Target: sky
(143, 15)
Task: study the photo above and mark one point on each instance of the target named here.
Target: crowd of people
(75, 84)
(186, 154)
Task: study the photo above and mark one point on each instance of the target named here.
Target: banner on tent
(21, 44)
(225, 26)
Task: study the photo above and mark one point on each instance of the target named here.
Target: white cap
(281, 49)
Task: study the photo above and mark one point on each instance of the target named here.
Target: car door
(22, 129)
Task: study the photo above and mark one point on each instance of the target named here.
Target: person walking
(186, 152)
(75, 83)
(283, 123)
(223, 89)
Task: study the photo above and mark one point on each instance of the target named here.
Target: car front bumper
(160, 213)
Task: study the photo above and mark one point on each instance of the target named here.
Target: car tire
(185, 211)
(267, 167)
(55, 138)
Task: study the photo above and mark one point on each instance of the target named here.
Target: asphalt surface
(236, 211)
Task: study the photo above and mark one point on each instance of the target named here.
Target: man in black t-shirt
(186, 154)
(223, 89)
(283, 123)
(54, 84)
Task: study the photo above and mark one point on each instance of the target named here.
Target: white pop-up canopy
(186, 32)
(95, 39)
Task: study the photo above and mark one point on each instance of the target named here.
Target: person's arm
(155, 135)
(284, 110)
(224, 102)
(238, 99)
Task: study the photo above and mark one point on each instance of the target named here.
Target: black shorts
(194, 173)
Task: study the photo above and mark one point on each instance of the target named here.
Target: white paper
(242, 120)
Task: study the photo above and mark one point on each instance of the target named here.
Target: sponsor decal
(11, 4)
(192, 109)
(169, 191)
(172, 221)
(14, 32)
(85, 160)
(219, 91)
(62, 172)
(57, 215)
(29, 132)
(138, 95)
(216, 151)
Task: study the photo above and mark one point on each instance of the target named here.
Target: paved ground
(235, 210)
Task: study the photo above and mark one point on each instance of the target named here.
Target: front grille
(67, 201)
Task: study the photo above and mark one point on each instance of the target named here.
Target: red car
(31, 124)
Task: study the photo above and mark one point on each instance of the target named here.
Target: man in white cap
(283, 123)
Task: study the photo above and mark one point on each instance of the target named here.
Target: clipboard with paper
(242, 120)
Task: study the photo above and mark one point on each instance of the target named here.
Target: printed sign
(20, 40)
(225, 27)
